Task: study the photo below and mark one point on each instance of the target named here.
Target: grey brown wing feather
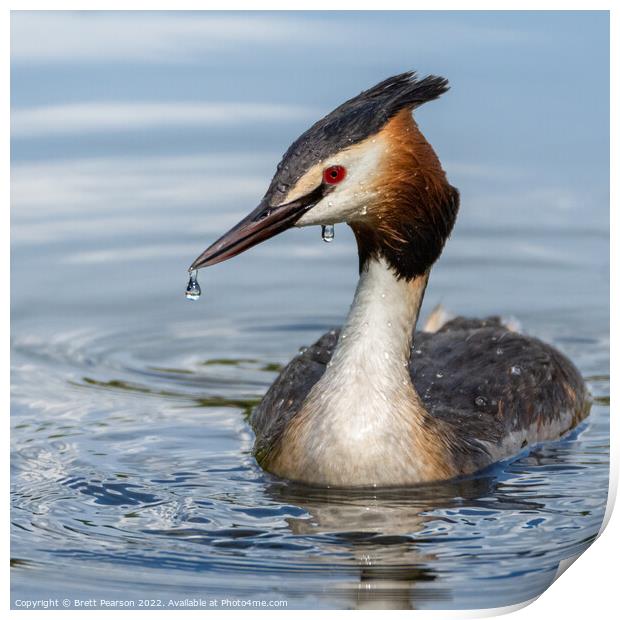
(286, 395)
(490, 372)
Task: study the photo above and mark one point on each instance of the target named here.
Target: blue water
(137, 139)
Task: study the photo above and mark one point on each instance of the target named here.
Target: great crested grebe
(377, 403)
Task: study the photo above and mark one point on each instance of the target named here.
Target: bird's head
(366, 164)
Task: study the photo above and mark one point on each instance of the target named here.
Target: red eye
(334, 174)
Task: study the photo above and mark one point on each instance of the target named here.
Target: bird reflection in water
(381, 533)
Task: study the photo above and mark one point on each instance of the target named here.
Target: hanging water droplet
(515, 370)
(193, 288)
(327, 232)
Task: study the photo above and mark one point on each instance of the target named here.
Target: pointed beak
(262, 224)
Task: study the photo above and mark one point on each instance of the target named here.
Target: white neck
(362, 422)
(375, 341)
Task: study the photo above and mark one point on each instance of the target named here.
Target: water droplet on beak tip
(193, 291)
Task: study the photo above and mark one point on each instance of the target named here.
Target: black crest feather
(350, 123)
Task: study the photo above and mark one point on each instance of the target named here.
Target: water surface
(132, 473)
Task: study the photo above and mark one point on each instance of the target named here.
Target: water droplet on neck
(327, 233)
(515, 370)
(193, 288)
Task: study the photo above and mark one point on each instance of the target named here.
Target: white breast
(360, 420)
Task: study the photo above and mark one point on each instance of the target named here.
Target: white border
(589, 586)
